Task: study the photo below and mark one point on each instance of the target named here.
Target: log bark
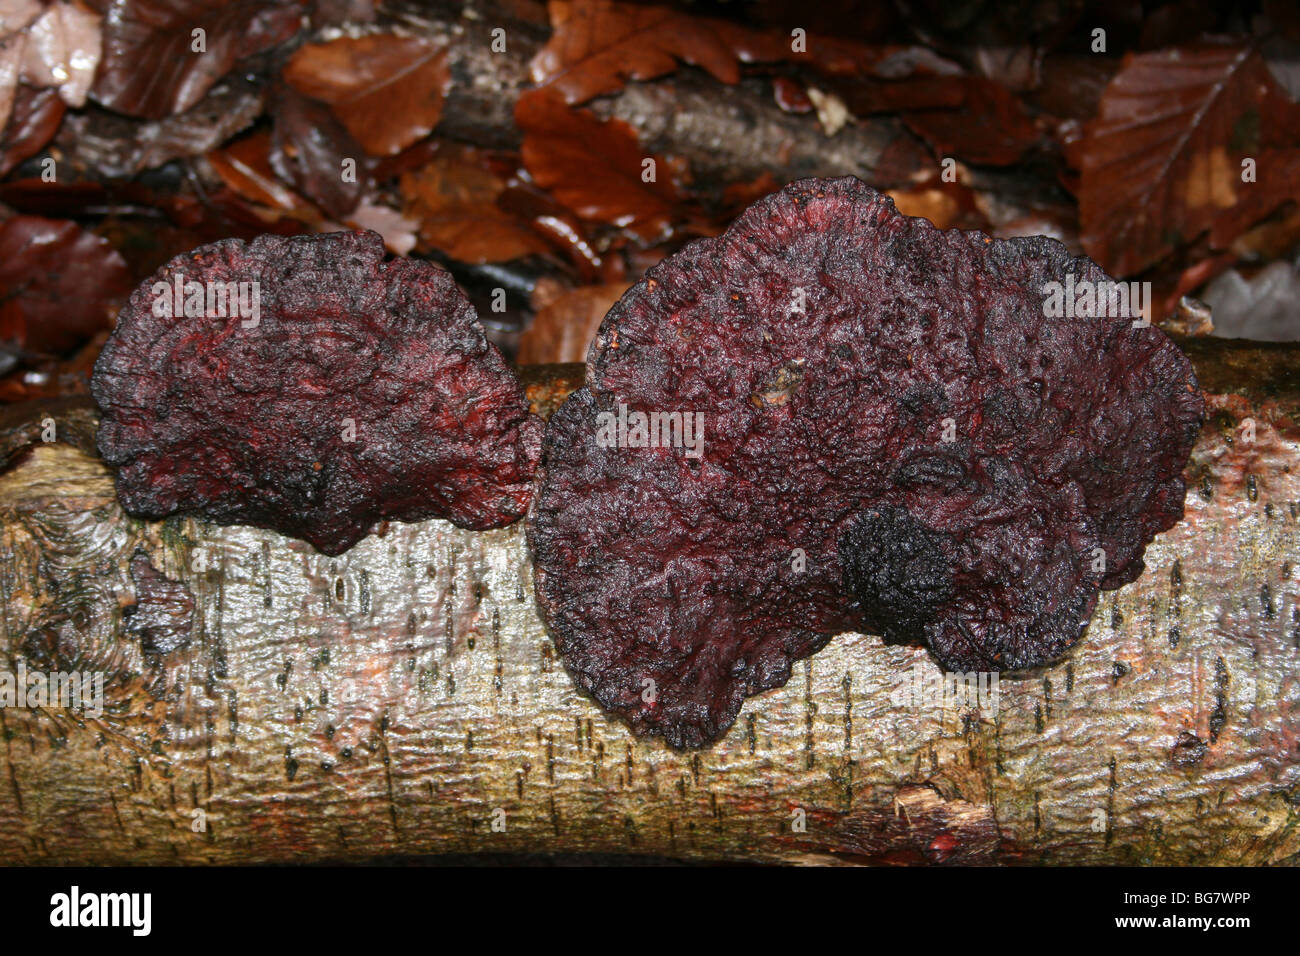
(266, 703)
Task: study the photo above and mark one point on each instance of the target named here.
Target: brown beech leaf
(1162, 162)
(12, 48)
(1277, 182)
(32, 123)
(245, 167)
(150, 67)
(592, 166)
(455, 202)
(16, 14)
(398, 230)
(309, 147)
(557, 224)
(597, 45)
(563, 330)
(865, 95)
(59, 285)
(990, 127)
(388, 90)
(51, 377)
(63, 50)
(947, 205)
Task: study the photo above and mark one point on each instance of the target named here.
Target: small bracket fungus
(306, 385)
(889, 400)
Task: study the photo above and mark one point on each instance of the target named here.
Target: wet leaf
(245, 167)
(563, 329)
(151, 68)
(946, 205)
(63, 50)
(32, 124)
(59, 285)
(12, 48)
(1162, 162)
(313, 151)
(990, 127)
(387, 90)
(455, 202)
(16, 14)
(597, 45)
(594, 166)
(398, 230)
(48, 377)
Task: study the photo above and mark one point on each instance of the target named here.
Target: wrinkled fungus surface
(895, 439)
(339, 390)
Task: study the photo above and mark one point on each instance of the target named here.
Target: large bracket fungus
(896, 437)
(306, 385)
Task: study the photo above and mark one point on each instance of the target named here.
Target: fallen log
(263, 702)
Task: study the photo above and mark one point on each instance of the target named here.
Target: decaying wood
(403, 698)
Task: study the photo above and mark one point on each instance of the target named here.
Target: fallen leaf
(398, 230)
(325, 12)
(59, 285)
(593, 166)
(387, 90)
(989, 128)
(32, 124)
(737, 196)
(562, 330)
(1277, 181)
(597, 45)
(1161, 163)
(945, 205)
(556, 224)
(63, 50)
(245, 167)
(833, 56)
(311, 150)
(865, 95)
(1072, 85)
(150, 66)
(49, 377)
(454, 200)
(16, 14)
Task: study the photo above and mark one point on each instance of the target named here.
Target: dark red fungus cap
(338, 390)
(896, 437)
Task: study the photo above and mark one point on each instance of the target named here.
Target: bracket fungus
(896, 437)
(306, 385)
